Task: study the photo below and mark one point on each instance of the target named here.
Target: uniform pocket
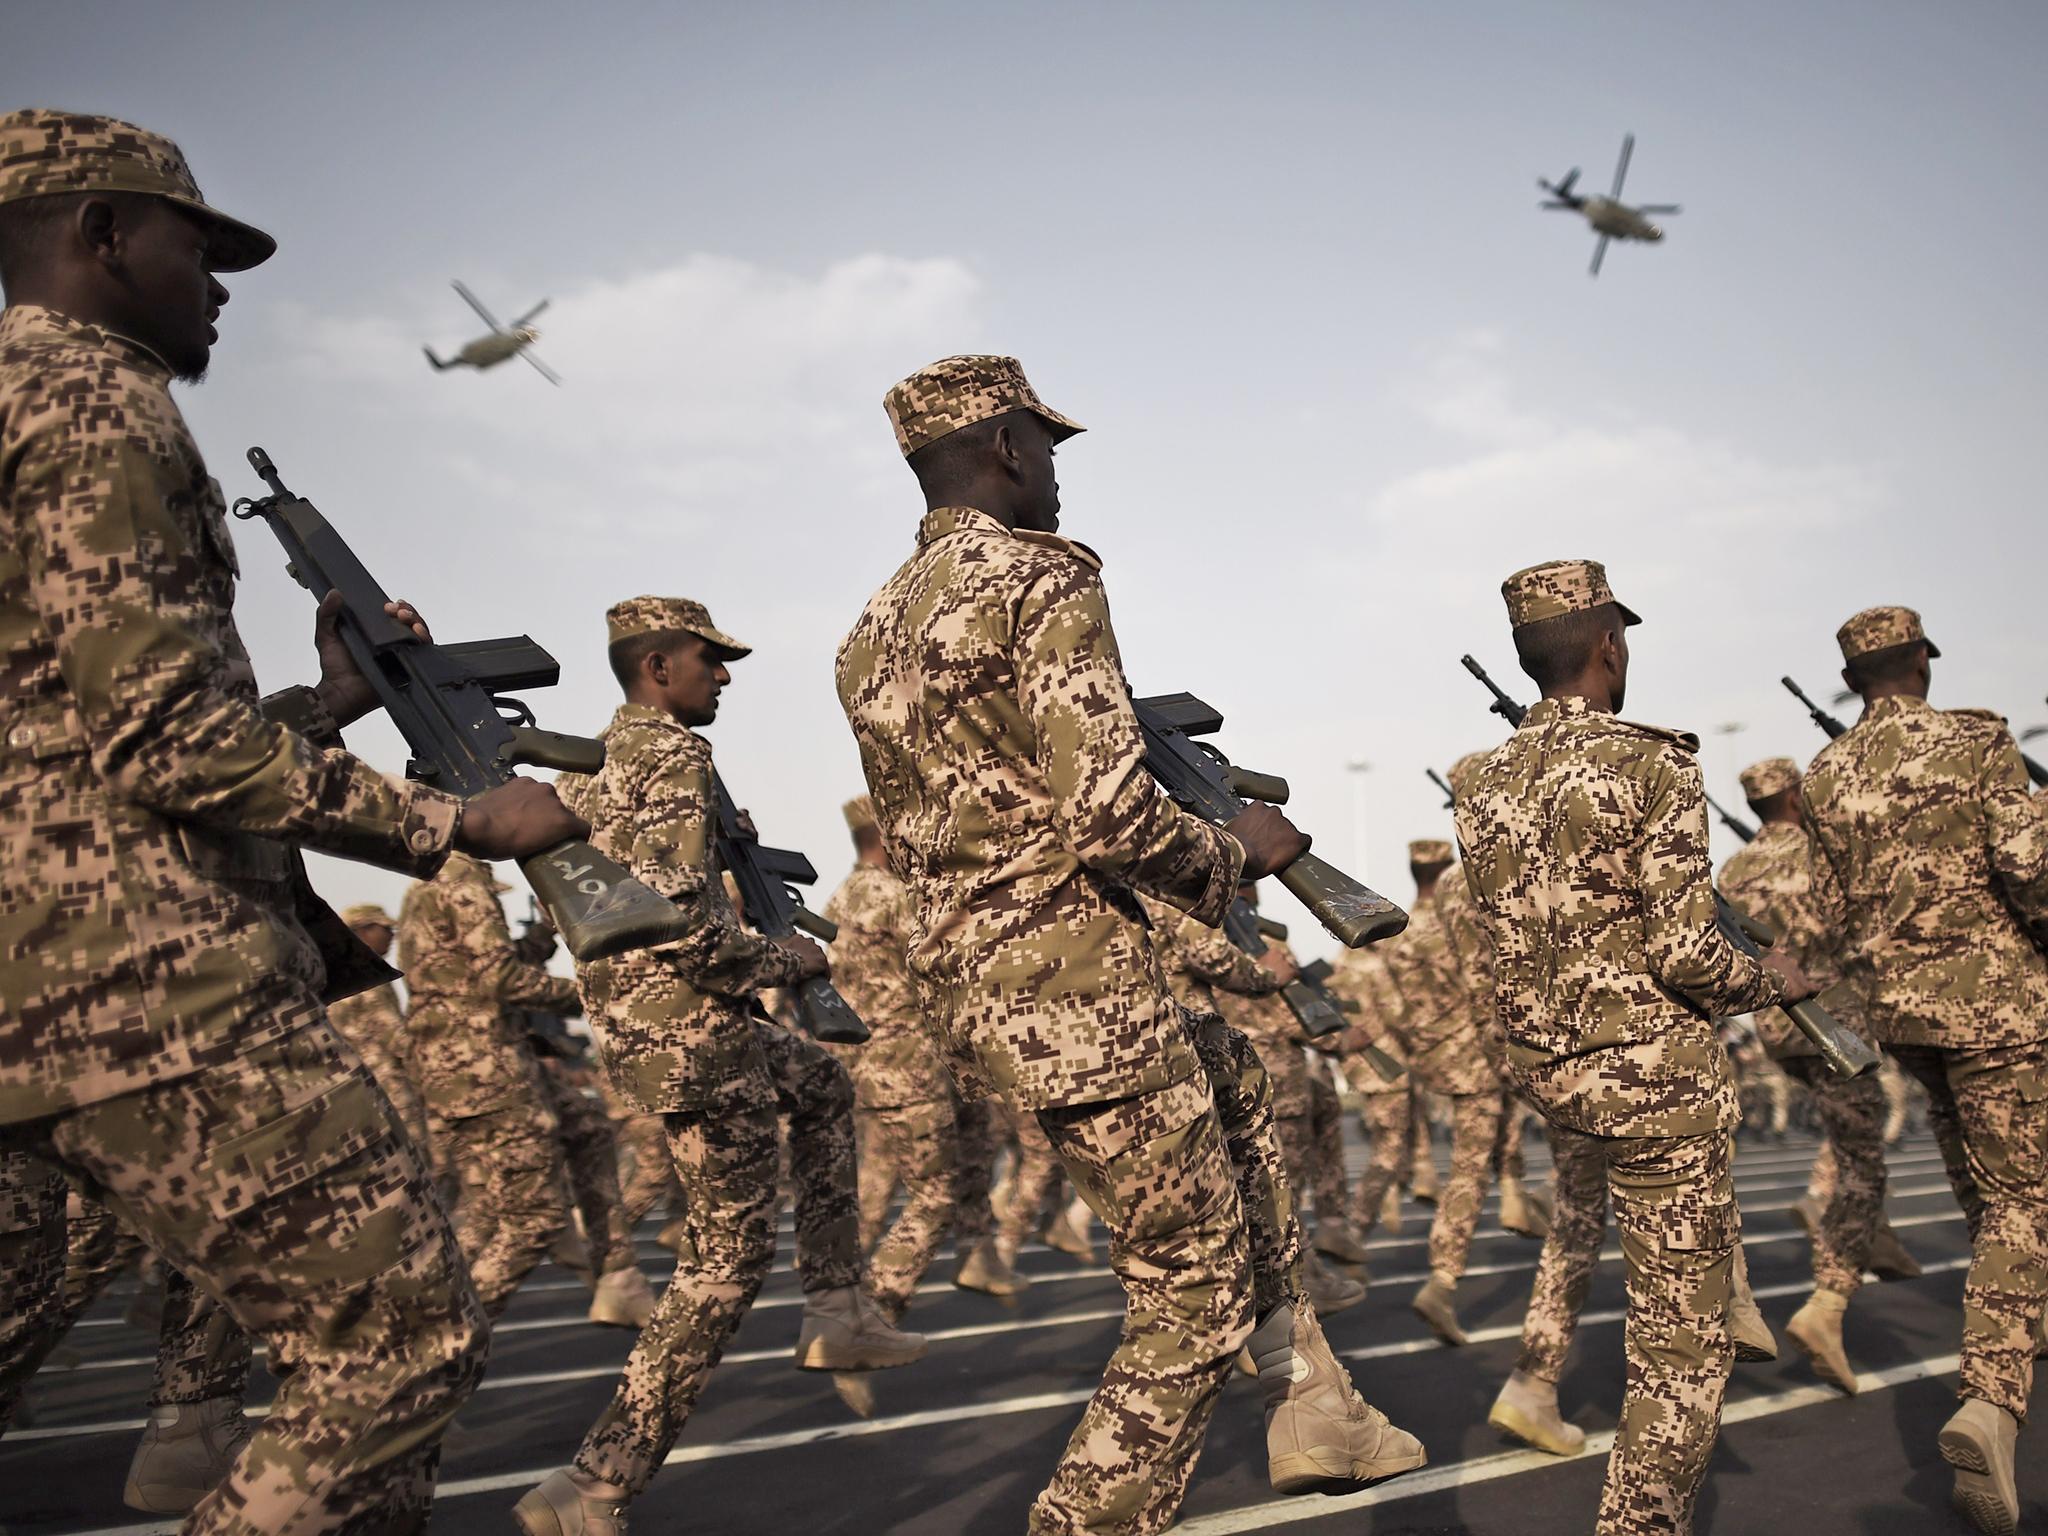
(1702, 1230)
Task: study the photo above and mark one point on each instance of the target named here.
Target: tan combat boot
(1978, 1443)
(1423, 1183)
(1321, 1436)
(1888, 1258)
(1527, 1409)
(186, 1449)
(1067, 1232)
(572, 1251)
(1817, 1329)
(561, 1507)
(622, 1299)
(1754, 1341)
(1437, 1305)
(986, 1270)
(1390, 1209)
(1329, 1292)
(844, 1330)
(1339, 1238)
(1518, 1213)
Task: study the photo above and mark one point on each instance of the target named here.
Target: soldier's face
(1038, 486)
(169, 284)
(1619, 666)
(377, 936)
(696, 676)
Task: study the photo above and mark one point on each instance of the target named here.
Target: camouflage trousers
(1475, 1131)
(1034, 1181)
(1188, 1179)
(514, 1193)
(974, 1130)
(726, 1160)
(1989, 1110)
(279, 1181)
(1390, 1151)
(1571, 1251)
(1326, 1133)
(590, 1157)
(647, 1174)
(916, 1145)
(1508, 1162)
(1852, 1112)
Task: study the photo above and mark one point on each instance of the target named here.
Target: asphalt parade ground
(960, 1442)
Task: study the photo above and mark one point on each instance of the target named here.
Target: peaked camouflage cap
(1879, 629)
(1558, 587)
(1772, 776)
(1463, 769)
(666, 616)
(364, 913)
(957, 392)
(1430, 850)
(859, 812)
(43, 153)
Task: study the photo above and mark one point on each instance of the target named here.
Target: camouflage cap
(1430, 850)
(1463, 769)
(43, 153)
(1879, 629)
(1558, 587)
(365, 913)
(859, 812)
(665, 616)
(957, 392)
(1772, 776)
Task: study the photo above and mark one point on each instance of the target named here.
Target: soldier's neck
(1905, 689)
(1597, 693)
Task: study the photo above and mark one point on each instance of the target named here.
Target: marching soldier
(1932, 853)
(1360, 982)
(681, 1033)
(996, 734)
(374, 1024)
(162, 1036)
(1586, 847)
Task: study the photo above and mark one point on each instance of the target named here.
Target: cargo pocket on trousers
(1700, 1231)
(2021, 1151)
(1697, 1245)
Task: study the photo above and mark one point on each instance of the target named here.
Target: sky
(1284, 260)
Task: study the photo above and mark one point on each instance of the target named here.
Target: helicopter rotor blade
(1571, 178)
(1599, 250)
(477, 304)
(1567, 207)
(1659, 208)
(523, 319)
(1628, 145)
(540, 367)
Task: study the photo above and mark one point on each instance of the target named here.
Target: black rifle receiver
(1317, 1014)
(764, 876)
(1202, 780)
(465, 737)
(1732, 822)
(1317, 973)
(1437, 779)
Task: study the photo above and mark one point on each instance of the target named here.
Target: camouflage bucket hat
(1463, 769)
(957, 392)
(859, 812)
(665, 616)
(1772, 776)
(365, 913)
(1429, 850)
(44, 153)
(1558, 587)
(1879, 629)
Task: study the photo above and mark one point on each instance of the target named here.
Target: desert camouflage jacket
(996, 733)
(1200, 962)
(899, 1063)
(1437, 1020)
(1934, 857)
(1364, 988)
(154, 920)
(1585, 841)
(1771, 879)
(1471, 948)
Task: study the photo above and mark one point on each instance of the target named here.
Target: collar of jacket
(630, 713)
(30, 322)
(941, 521)
(1893, 704)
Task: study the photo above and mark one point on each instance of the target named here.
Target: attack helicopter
(504, 341)
(1611, 218)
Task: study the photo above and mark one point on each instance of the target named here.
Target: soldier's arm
(112, 579)
(1110, 811)
(496, 970)
(1208, 956)
(1682, 942)
(2016, 834)
(671, 851)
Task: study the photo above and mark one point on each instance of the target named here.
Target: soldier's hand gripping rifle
(1202, 780)
(464, 735)
(764, 876)
(1834, 728)
(1315, 1010)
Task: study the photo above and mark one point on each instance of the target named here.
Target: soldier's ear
(101, 230)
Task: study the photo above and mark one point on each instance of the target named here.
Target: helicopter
(503, 342)
(1611, 218)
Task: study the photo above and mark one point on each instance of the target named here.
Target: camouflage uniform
(1361, 983)
(1933, 855)
(487, 1108)
(996, 735)
(161, 1032)
(902, 1097)
(1586, 846)
(590, 1161)
(374, 1024)
(647, 1174)
(1771, 879)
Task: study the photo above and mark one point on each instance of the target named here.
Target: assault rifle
(1844, 1051)
(764, 876)
(1834, 728)
(466, 737)
(1202, 780)
(1318, 973)
(1437, 779)
(1732, 822)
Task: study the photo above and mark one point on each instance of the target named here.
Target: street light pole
(1358, 768)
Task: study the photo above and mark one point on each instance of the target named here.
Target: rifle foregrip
(1247, 785)
(823, 929)
(1352, 913)
(826, 1016)
(534, 747)
(597, 907)
(1312, 1010)
(1847, 1053)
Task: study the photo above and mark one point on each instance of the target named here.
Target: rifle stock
(1847, 1053)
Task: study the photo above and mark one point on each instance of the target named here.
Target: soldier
(162, 1037)
(374, 1024)
(681, 1033)
(1586, 847)
(1771, 879)
(487, 1109)
(996, 734)
(1359, 980)
(1933, 855)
